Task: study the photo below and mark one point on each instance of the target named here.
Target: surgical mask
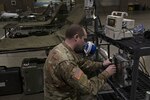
(89, 48)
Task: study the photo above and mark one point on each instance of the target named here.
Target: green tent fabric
(76, 14)
(51, 40)
(34, 24)
(29, 42)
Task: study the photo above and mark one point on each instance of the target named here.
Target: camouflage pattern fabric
(8, 44)
(64, 79)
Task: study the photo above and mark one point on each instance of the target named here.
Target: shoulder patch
(77, 73)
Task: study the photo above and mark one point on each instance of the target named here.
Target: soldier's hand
(106, 63)
(111, 69)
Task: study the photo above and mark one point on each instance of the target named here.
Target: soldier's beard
(79, 49)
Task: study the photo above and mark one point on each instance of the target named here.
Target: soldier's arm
(90, 65)
(75, 78)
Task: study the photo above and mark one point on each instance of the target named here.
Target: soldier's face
(80, 43)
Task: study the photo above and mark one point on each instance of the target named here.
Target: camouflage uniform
(64, 79)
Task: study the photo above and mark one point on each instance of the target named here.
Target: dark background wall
(20, 4)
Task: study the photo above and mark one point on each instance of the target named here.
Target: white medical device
(116, 24)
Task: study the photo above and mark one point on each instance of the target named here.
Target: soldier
(64, 77)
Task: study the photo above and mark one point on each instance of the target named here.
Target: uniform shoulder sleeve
(77, 79)
(90, 65)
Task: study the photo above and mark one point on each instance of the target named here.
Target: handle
(3, 67)
(118, 13)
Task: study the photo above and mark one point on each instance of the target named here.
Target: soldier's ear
(76, 36)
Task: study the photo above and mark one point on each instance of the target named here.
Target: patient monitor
(118, 27)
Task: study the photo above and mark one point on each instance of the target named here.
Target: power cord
(144, 68)
(134, 36)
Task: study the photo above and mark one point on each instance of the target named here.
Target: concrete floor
(15, 59)
(39, 96)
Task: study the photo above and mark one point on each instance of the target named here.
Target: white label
(2, 84)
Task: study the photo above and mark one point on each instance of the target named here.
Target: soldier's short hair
(73, 30)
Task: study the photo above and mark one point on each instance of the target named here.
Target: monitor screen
(111, 22)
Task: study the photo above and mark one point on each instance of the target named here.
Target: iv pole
(96, 29)
(97, 25)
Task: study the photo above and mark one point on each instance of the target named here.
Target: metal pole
(147, 95)
(116, 90)
(134, 76)
(96, 30)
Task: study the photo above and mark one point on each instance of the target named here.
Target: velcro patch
(77, 73)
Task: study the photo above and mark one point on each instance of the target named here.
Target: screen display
(111, 22)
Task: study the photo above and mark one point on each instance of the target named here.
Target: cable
(143, 61)
(141, 68)
(145, 65)
(132, 35)
(144, 68)
(129, 31)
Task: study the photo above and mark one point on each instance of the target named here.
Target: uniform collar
(74, 54)
(69, 48)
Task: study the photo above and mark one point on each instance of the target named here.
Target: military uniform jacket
(64, 77)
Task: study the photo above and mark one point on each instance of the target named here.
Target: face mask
(89, 48)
